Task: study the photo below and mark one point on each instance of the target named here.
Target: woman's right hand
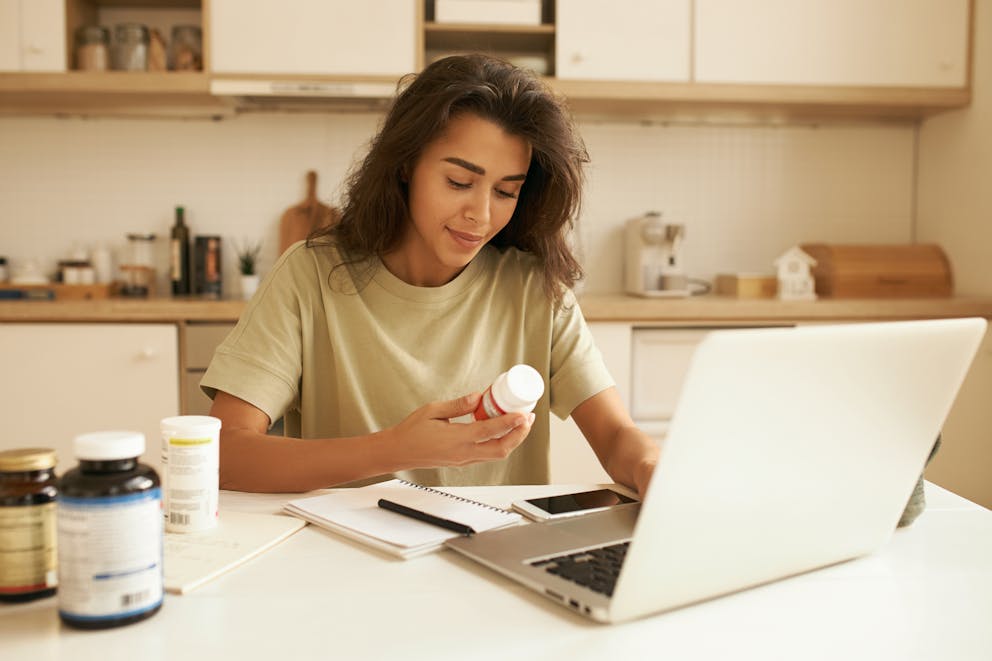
(427, 439)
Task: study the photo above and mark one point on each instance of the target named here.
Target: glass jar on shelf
(186, 48)
(92, 48)
(130, 50)
(137, 268)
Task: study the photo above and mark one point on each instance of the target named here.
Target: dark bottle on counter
(179, 256)
(110, 533)
(208, 282)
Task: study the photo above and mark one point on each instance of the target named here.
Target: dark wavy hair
(375, 206)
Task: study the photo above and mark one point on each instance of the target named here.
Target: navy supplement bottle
(110, 533)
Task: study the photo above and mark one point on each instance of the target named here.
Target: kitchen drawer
(195, 402)
(201, 341)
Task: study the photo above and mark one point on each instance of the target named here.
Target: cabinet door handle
(148, 353)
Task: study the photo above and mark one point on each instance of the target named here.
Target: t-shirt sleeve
(577, 368)
(260, 359)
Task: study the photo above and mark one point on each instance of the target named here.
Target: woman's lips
(465, 239)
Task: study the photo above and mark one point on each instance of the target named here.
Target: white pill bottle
(516, 390)
(191, 463)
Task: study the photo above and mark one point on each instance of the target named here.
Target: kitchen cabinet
(632, 60)
(907, 43)
(654, 391)
(32, 35)
(623, 40)
(324, 37)
(65, 379)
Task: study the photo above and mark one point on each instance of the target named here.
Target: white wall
(955, 176)
(955, 210)
(64, 181)
(746, 193)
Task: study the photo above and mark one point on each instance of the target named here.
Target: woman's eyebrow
(478, 169)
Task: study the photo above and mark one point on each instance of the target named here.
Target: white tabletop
(926, 595)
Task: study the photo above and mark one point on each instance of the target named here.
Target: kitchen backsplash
(744, 192)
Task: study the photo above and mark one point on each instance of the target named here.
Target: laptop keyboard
(596, 569)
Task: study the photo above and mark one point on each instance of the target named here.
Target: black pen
(425, 517)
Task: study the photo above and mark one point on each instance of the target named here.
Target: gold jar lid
(27, 459)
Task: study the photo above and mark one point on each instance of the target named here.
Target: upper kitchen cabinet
(32, 35)
(63, 76)
(818, 59)
(623, 40)
(897, 43)
(314, 37)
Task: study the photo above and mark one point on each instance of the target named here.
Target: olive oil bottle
(179, 268)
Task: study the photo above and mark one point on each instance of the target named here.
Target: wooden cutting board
(300, 219)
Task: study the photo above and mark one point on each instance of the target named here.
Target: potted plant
(247, 266)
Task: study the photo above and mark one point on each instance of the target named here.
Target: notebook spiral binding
(454, 497)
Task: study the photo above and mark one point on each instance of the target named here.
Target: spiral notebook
(355, 513)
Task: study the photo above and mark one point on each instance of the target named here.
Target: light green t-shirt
(336, 358)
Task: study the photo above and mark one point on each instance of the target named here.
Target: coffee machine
(653, 257)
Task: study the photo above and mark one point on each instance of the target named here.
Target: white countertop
(926, 595)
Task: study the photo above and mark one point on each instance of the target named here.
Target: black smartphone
(571, 504)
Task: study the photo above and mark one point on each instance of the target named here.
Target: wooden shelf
(188, 94)
(129, 82)
(489, 28)
(498, 39)
(148, 4)
(170, 93)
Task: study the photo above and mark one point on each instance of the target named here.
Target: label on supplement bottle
(110, 555)
(487, 407)
(27, 548)
(191, 483)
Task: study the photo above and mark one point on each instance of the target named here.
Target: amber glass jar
(27, 519)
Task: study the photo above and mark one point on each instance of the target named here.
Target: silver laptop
(789, 450)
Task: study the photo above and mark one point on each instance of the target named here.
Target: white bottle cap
(194, 425)
(109, 445)
(518, 389)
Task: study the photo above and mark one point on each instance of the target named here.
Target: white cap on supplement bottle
(109, 445)
(518, 389)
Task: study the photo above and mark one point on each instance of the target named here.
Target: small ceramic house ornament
(795, 280)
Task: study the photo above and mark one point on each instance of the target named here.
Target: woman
(449, 265)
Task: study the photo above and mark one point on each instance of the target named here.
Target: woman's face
(462, 192)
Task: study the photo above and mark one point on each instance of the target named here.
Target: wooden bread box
(880, 271)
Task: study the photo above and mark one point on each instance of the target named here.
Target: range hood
(304, 95)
